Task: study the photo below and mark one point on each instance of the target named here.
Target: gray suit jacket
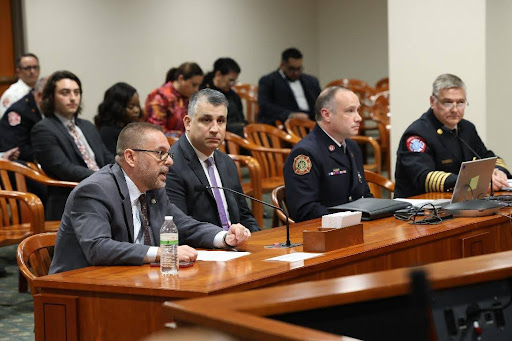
(97, 225)
(187, 173)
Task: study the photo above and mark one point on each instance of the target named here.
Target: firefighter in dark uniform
(325, 168)
(18, 120)
(433, 147)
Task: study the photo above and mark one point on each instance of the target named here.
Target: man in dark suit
(197, 162)
(326, 168)
(287, 92)
(114, 216)
(68, 148)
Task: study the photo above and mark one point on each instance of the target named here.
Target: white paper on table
(420, 202)
(294, 257)
(219, 256)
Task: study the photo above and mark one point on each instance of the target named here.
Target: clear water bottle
(169, 262)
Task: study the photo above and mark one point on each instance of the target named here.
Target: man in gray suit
(103, 222)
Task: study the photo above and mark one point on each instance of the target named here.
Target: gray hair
(447, 81)
(134, 136)
(326, 100)
(211, 96)
(41, 82)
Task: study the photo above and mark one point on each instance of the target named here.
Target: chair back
(267, 136)
(365, 141)
(10, 170)
(377, 182)
(299, 128)
(382, 84)
(34, 256)
(249, 95)
(271, 160)
(279, 200)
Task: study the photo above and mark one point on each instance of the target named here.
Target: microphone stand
(288, 243)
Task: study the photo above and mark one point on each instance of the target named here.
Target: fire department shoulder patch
(14, 118)
(416, 144)
(301, 164)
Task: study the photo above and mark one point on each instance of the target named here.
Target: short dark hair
(134, 136)
(214, 97)
(112, 111)
(48, 102)
(291, 52)
(18, 60)
(225, 66)
(187, 70)
(326, 100)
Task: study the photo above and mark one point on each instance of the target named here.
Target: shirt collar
(332, 138)
(286, 78)
(64, 120)
(202, 157)
(133, 190)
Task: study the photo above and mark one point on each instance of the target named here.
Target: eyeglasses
(294, 69)
(162, 156)
(447, 104)
(30, 67)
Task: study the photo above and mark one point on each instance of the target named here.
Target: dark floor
(16, 310)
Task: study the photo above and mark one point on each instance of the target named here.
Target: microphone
(474, 153)
(287, 244)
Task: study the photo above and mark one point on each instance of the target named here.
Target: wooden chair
(364, 141)
(377, 182)
(298, 128)
(271, 160)
(265, 135)
(34, 257)
(253, 186)
(172, 140)
(22, 172)
(21, 215)
(380, 113)
(382, 84)
(279, 200)
(249, 95)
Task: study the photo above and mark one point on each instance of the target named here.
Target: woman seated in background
(222, 78)
(120, 106)
(167, 105)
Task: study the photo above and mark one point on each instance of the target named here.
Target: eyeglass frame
(466, 103)
(160, 152)
(30, 67)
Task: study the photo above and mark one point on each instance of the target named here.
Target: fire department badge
(301, 164)
(14, 118)
(331, 148)
(416, 144)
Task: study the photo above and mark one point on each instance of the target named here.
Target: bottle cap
(168, 217)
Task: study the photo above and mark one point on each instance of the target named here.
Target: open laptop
(473, 180)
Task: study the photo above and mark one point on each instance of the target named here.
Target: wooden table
(125, 302)
(246, 315)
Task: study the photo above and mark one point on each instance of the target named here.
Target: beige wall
(105, 41)
(499, 74)
(428, 38)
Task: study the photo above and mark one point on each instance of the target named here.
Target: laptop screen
(473, 180)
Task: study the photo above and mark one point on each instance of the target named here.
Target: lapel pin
(439, 131)
(153, 201)
(331, 148)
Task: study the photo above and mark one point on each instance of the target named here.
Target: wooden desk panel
(243, 314)
(125, 301)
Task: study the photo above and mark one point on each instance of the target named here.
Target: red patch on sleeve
(416, 144)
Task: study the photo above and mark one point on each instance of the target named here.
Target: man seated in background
(326, 168)
(27, 69)
(67, 147)
(198, 162)
(114, 216)
(19, 119)
(222, 78)
(287, 92)
(433, 147)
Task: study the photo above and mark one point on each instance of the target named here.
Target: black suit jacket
(56, 151)
(16, 133)
(276, 100)
(187, 172)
